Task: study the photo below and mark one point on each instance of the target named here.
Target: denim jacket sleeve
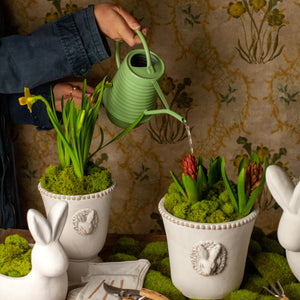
(64, 47)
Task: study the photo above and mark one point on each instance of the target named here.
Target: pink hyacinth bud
(190, 166)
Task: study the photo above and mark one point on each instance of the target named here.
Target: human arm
(67, 46)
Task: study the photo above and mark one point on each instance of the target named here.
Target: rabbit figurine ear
(295, 201)
(57, 218)
(39, 227)
(280, 185)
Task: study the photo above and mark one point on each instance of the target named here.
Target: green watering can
(135, 88)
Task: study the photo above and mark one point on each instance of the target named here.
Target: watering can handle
(147, 52)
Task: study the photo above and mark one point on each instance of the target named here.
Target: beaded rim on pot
(207, 226)
(78, 197)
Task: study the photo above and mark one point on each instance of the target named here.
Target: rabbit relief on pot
(208, 258)
(48, 277)
(287, 195)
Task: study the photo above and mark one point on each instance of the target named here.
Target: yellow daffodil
(27, 99)
(108, 84)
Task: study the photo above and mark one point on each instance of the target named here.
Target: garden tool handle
(150, 68)
(152, 294)
(149, 294)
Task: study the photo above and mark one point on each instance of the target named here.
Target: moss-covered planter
(207, 260)
(85, 231)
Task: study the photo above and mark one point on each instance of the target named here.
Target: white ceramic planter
(207, 260)
(85, 231)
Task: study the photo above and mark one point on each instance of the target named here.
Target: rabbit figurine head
(48, 256)
(287, 195)
(48, 276)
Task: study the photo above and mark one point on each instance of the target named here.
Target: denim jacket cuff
(82, 41)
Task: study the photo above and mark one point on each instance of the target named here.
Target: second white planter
(207, 259)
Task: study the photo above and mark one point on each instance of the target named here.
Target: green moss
(120, 257)
(181, 209)
(128, 245)
(273, 267)
(217, 216)
(196, 214)
(271, 245)
(254, 247)
(292, 291)
(254, 283)
(64, 181)
(172, 198)
(164, 267)
(214, 207)
(155, 252)
(257, 234)
(228, 209)
(15, 256)
(241, 295)
(154, 280)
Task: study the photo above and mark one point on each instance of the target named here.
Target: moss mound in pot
(64, 181)
(208, 196)
(215, 206)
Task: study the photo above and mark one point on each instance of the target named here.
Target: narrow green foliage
(245, 202)
(178, 184)
(228, 187)
(191, 188)
(75, 132)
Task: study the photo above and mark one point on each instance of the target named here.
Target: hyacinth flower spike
(195, 177)
(251, 179)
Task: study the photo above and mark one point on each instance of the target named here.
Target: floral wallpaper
(232, 69)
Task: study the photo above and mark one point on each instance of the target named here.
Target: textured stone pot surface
(85, 231)
(207, 259)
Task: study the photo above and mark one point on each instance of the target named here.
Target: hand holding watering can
(135, 88)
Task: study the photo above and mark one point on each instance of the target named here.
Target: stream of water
(188, 131)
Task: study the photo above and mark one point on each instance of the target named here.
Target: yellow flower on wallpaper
(235, 9)
(61, 11)
(261, 23)
(27, 99)
(258, 4)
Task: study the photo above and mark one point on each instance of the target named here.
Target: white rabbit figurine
(287, 195)
(48, 278)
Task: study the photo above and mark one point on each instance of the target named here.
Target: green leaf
(191, 189)
(214, 173)
(228, 187)
(242, 165)
(241, 191)
(126, 130)
(179, 185)
(201, 180)
(255, 158)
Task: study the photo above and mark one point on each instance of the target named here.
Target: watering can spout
(165, 111)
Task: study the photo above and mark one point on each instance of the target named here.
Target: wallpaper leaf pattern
(233, 71)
